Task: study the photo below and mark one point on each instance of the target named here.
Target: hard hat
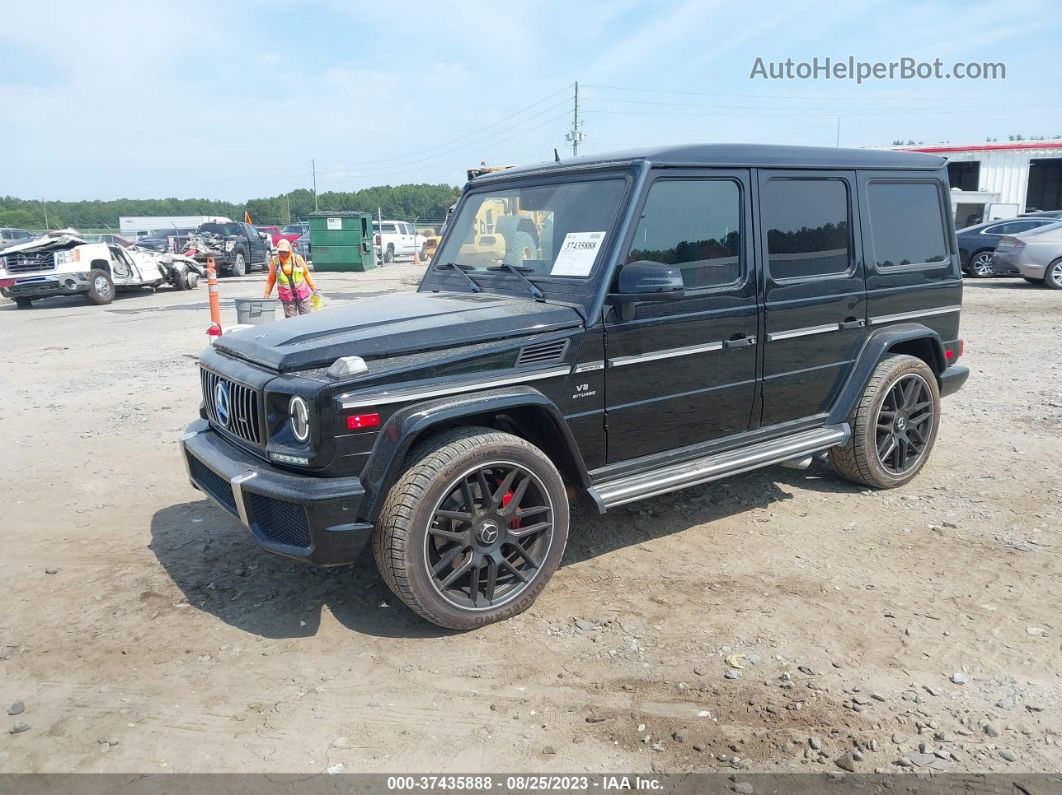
(284, 245)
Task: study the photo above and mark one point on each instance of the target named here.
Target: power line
(831, 111)
(485, 140)
(464, 156)
(771, 96)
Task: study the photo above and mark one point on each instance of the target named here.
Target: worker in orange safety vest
(295, 286)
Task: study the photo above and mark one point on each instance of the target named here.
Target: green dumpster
(341, 240)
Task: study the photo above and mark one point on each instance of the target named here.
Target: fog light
(281, 458)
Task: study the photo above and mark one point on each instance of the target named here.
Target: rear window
(808, 231)
(219, 229)
(906, 224)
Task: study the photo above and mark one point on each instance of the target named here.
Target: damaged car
(66, 264)
(236, 248)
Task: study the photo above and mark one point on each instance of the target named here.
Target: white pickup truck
(65, 264)
(397, 239)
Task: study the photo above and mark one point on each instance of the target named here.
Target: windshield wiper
(476, 287)
(535, 292)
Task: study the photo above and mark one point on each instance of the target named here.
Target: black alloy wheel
(489, 536)
(903, 424)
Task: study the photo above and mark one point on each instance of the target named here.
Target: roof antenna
(556, 156)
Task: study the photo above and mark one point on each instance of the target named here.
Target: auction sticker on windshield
(577, 253)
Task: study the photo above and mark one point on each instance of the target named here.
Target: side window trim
(853, 260)
(911, 266)
(743, 197)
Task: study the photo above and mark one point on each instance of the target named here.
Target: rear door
(814, 291)
(684, 371)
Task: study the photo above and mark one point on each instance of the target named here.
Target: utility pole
(313, 168)
(287, 199)
(575, 135)
(45, 205)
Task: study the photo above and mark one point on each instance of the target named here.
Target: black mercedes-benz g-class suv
(620, 326)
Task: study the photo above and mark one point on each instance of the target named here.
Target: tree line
(404, 202)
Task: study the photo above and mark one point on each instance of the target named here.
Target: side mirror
(645, 280)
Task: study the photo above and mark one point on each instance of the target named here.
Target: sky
(234, 100)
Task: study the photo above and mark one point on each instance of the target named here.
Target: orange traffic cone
(215, 300)
(416, 256)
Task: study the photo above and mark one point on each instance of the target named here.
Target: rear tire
(101, 288)
(473, 529)
(894, 425)
(24, 303)
(980, 266)
(1053, 275)
(389, 254)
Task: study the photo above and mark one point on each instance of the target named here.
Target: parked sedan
(977, 243)
(1035, 255)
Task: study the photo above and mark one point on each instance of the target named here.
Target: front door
(814, 288)
(684, 371)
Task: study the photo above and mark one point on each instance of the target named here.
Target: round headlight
(300, 418)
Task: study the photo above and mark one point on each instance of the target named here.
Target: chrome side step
(714, 467)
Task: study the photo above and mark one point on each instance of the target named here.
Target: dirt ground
(773, 622)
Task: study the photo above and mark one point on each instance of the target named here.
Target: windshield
(219, 229)
(546, 230)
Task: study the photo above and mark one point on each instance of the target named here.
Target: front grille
(542, 353)
(30, 262)
(279, 521)
(212, 483)
(244, 414)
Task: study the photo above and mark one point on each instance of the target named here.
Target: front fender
(548, 429)
(878, 343)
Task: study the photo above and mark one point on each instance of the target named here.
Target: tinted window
(807, 227)
(696, 225)
(906, 223)
(1017, 227)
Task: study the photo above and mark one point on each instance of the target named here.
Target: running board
(714, 467)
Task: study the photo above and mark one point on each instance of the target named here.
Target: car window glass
(808, 231)
(906, 223)
(695, 225)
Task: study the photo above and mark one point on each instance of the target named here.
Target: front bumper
(306, 518)
(952, 379)
(44, 285)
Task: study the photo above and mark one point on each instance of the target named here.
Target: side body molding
(874, 348)
(537, 415)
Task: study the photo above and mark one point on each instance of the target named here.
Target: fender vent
(542, 353)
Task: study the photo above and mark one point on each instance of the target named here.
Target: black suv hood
(393, 326)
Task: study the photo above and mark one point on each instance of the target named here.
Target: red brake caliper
(515, 523)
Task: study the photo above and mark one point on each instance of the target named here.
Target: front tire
(1053, 275)
(473, 529)
(894, 425)
(101, 288)
(981, 265)
(239, 265)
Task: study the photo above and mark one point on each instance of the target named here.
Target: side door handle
(739, 342)
(850, 323)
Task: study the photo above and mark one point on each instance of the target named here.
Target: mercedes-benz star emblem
(488, 534)
(221, 403)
